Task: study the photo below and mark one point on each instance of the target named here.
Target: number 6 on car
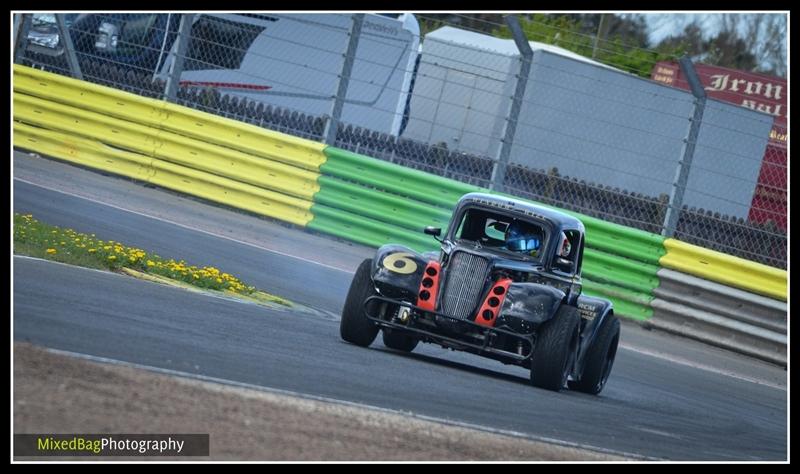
(400, 262)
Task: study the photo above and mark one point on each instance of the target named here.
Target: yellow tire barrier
(167, 146)
(83, 152)
(245, 137)
(112, 102)
(196, 153)
(726, 269)
(215, 188)
(232, 193)
(181, 120)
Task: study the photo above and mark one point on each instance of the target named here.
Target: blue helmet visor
(524, 244)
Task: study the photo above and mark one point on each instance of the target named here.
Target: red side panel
(429, 286)
(487, 314)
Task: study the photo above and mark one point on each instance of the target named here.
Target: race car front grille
(466, 274)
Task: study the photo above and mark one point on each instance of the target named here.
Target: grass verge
(37, 239)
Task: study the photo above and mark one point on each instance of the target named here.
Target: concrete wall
(601, 125)
(590, 121)
(461, 96)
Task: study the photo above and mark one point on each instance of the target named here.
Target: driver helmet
(522, 237)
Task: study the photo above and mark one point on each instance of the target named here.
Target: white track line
(698, 366)
(277, 391)
(184, 226)
(657, 355)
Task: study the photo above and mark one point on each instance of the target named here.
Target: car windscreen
(513, 236)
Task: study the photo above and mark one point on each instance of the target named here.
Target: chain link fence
(545, 124)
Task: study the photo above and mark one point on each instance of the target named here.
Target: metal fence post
(176, 68)
(332, 125)
(687, 152)
(526, 56)
(69, 48)
(22, 37)
(17, 24)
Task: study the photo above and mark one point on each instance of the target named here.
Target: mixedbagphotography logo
(50, 444)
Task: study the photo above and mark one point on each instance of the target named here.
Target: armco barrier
(725, 269)
(167, 146)
(202, 126)
(381, 202)
(83, 152)
(720, 315)
(215, 188)
(175, 147)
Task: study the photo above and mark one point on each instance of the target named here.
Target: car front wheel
(398, 341)
(355, 327)
(599, 358)
(556, 346)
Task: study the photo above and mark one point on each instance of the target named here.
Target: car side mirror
(434, 231)
(563, 265)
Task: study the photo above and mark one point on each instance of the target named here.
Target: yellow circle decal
(400, 263)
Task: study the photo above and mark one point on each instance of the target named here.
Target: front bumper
(473, 337)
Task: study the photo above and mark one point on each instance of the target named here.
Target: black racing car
(506, 285)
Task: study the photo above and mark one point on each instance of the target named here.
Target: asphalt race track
(667, 398)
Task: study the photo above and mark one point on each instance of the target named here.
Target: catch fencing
(535, 121)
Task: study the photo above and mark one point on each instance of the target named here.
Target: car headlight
(46, 40)
(107, 37)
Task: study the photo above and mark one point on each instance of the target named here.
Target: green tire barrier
(622, 272)
(379, 205)
(376, 174)
(368, 232)
(629, 304)
(623, 241)
(374, 203)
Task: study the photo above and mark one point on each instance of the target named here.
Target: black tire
(355, 327)
(599, 358)
(398, 341)
(555, 350)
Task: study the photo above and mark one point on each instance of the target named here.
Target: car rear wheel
(599, 358)
(399, 341)
(355, 327)
(556, 346)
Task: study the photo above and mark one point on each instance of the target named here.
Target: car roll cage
(489, 333)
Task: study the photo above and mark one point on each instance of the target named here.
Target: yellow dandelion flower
(51, 251)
